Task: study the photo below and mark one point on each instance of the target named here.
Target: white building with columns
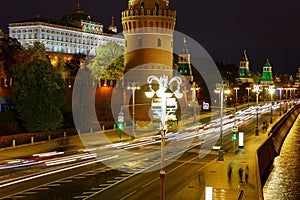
(74, 33)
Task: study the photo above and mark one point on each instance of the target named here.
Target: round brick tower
(148, 27)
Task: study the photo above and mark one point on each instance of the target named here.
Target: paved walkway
(215, 174)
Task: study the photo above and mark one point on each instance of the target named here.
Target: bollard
(14, 143)
(114, 126)
(103, 128)
(32, 140)
(49, 137)
(91, 130)
(65, 134)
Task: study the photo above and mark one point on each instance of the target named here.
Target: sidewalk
(214, 174)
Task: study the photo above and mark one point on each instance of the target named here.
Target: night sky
(266, 28)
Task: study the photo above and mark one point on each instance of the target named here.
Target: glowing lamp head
(150, 92)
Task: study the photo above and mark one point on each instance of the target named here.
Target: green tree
(74, 64)
(40, 92)
(108, 64)
(62, 68)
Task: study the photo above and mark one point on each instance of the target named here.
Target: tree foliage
(108, 64)
(40, 91)
(12, 51)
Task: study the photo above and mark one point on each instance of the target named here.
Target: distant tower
(184, 63)
(297, 81)
(148, 35)
(244, 75)
(113, 27)
(267, 76)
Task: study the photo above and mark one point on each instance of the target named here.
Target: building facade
(76, 32)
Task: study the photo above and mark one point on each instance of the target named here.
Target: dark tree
(40, 91)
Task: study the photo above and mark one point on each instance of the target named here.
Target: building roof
(49, 20)
(267, 63)
(77, 15)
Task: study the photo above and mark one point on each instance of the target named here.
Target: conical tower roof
(267, 63)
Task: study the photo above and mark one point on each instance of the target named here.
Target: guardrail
(271, 148)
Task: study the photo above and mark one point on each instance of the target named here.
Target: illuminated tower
(267, 76)
(184, 63)
(148, 27)
(244, 73)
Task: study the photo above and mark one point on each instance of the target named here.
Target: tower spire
(78, 4)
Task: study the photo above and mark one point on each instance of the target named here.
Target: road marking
(17, 197)
(42, 189)
(56, 171)
(126, 174)
(119, 178)
(104, 185)
(112, 181)
(88, 193)
(80, 197)
(79, 177)
(128, 195)
(150, 182)
(53, 185)
(65, 181)
(27, 193)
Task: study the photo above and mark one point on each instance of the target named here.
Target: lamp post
(236, 97)
(220, 89)
(133, 86)
(248, 92)
(280, 96)
(194, 97)
(271, 91)
(164, 93)
(257, 89)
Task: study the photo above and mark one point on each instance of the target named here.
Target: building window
(140, 42)
(158, 42)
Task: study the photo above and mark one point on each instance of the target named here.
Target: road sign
(234, 128)
(241, 139)
(121, 117)
(205, 106)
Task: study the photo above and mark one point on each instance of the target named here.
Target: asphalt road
(97, 181)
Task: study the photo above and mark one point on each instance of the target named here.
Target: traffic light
(120, 126)
(233, 137)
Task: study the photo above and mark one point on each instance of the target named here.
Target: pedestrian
(241, 174)
(246, 173)
(229, 172)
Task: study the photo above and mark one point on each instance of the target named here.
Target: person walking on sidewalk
(229, 172)
(246, 173)
(241, 174)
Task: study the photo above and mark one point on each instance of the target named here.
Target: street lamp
(257, 89)
(236, 97)
(165, 94)
(220, 89)
(133, 86)
(280, 96)
(248, 89)
(271, 91)
(194, 101)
